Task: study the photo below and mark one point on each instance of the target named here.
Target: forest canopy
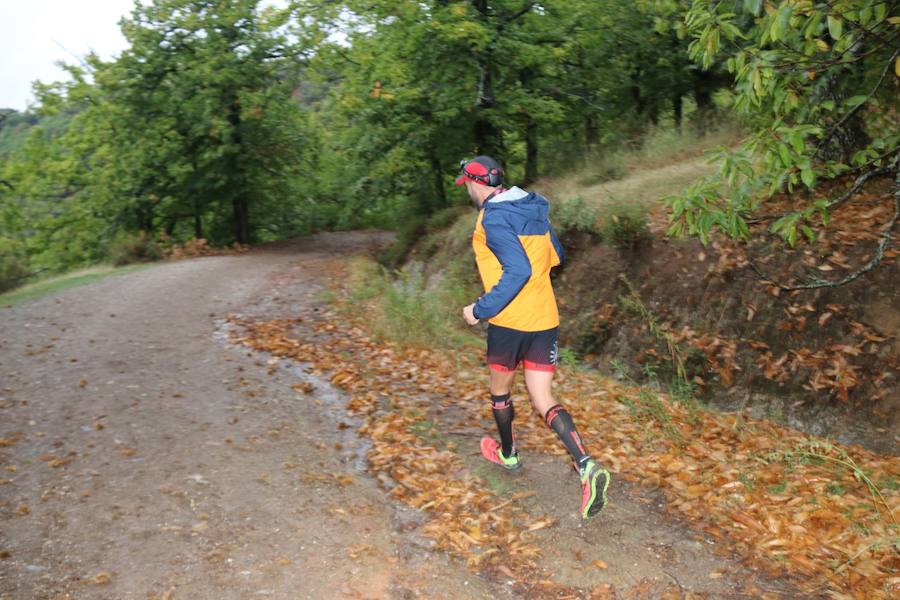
(242, 121)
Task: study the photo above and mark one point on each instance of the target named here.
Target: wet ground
(145, 456)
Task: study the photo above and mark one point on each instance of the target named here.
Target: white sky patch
(35, 34)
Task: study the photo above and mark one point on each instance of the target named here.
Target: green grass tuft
(65, 281)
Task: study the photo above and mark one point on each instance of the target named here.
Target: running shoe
(491, 450)
(594, 482)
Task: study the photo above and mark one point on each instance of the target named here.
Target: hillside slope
(824, 360)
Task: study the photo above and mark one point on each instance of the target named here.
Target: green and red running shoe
(594, 482)
(491, 450)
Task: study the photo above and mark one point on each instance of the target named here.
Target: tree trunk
(239, 203)
(591, 134)
(635, 87)
(705, 83)
(241, 216)
(437, 175)
(488, 139)
(198, 222)
(531, 152)
(677, 109)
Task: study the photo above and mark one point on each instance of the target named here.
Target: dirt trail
(142, 456)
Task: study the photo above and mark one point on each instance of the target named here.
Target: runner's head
(482, 170)
(482, 177)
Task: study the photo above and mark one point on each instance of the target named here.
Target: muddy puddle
(330, 400)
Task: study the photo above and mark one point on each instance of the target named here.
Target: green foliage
(625, 225)
(633, 303)
(191, 131)
(446, 217)
(647, 407)
(133, 247)
(574, 215)
(415, 86)
(14, 128)
(242, 121)
(815, 83)
(824, 452)
(13, 265)
(404, 307)
(567, 357)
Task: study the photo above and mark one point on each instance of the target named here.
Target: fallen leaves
(806, 517)
(54, 462)
(465, 518)
(101, 578)
(12, 439)
(304, 387)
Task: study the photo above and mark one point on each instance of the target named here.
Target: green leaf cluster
(816, 82)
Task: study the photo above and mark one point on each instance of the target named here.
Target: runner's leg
(503, 347)
(556, 417)
(501, 383)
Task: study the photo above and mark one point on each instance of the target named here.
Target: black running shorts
(507, 348)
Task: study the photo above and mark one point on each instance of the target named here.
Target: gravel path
(142, 456)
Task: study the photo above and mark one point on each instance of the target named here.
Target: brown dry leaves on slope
(388, 388)
(779, 497)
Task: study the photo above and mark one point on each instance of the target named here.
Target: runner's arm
(505, 244)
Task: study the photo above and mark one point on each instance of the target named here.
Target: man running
(515, 248)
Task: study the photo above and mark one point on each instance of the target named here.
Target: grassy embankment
(611, 198)
(56, 283)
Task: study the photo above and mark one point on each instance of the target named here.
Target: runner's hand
(469, 314)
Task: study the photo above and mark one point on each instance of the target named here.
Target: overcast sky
(35, 34)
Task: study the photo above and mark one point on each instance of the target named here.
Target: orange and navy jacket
(515, 248)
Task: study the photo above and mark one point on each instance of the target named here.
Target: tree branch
(854, 25)
(831, 131)
(873, 262)
(854, 189)
(524, 10)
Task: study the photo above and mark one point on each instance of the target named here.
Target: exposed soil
(144, 456)
(752, 349)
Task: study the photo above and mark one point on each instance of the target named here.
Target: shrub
(574, 215)
(625, 225)
(133, 247)
(14, 267)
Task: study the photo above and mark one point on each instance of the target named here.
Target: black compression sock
(560, 421)
(504, 415)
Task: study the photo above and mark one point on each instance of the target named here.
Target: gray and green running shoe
(594, 482)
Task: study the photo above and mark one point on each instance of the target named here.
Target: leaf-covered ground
(146, 455)
(792, 505)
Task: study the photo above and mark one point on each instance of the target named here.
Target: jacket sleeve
(557, 246)
(504, 243)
